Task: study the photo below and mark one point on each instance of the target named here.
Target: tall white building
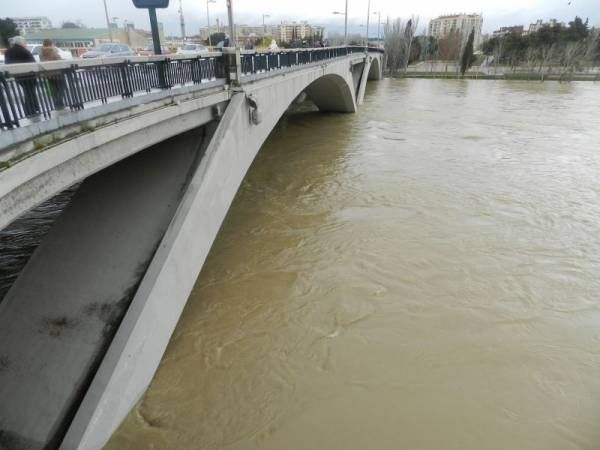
(461, 23)
(31, 24)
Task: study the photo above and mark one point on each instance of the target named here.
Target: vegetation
(467, 57)
(8, 29)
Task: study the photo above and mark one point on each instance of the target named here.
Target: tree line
(560, 48)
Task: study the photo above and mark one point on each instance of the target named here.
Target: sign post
(151, 6)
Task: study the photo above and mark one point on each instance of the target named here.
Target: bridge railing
(264, 61)
(33, 91)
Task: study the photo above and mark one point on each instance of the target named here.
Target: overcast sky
(495, 12)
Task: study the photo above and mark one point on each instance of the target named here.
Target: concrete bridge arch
(155, 277)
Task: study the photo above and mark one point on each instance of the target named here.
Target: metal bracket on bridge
(254, 114)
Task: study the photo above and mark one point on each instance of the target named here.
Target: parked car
(36, 49)
(108, 50)
(1, 58)
(149, 51)
(192, 49)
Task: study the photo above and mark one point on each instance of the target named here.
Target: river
(424, 274)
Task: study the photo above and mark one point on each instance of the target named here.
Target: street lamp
(208, 21)
(368, 17)
(107, 21)
(345, 14)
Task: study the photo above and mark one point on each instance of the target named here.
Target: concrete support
(363, 81)
(60, 315)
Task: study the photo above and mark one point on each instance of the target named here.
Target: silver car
(108, 50)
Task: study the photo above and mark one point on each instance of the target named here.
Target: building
(78, 40)
(503, 31)
(539, 24)
(31, 24)
(288, 32)
(461, 23)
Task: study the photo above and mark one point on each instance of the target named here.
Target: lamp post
(107, 21)
(368, 17)
(208, 21)
(345, 14)
(232, 36)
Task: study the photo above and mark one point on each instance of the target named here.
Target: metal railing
(265, 61)
(34, 91)
(34, 94)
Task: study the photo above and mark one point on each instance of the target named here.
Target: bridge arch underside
(331, 93)
(164, 247)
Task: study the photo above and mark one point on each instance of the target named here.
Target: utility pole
(232, 36)
(346, 24)
(378, 27)
(108, 21)
(208, 21)
(181, 21)
(368, 17)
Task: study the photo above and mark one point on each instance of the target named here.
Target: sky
(496, 13)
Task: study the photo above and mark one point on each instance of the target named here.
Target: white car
(1, 58)
(36, 49)
(192, 49)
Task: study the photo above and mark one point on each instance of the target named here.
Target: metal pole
(378, 27)
(208, 24)
(368, 17)
(154, 27)
(346, 24)
(232, 36)
(107, 21)
(181, 21)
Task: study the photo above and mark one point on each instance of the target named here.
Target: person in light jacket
(55, 79)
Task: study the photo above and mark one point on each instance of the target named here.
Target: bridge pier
(59, 317)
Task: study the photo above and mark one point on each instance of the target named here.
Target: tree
(466, 59)
(8, 29)
(215, 38)
(70, 25)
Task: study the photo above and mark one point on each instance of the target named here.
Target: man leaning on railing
(16, 54)
(55, 79)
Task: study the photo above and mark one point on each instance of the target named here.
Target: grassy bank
(507, 76)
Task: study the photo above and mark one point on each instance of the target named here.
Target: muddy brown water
(424, 274)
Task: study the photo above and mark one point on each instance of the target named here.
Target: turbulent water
(423, 274)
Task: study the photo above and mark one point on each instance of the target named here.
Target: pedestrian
(226, 41)
(49, 52)
(56, 81)
(18, 54)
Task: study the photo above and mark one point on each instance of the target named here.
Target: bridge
(152, 151)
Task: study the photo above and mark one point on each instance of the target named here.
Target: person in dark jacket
(18, 54)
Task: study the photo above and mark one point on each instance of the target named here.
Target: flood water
(424, 274)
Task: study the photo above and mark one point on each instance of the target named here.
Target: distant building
(503, 31)
(539, 24)
(31, 24)
(461, 23)
(287, 32)
(78, 40)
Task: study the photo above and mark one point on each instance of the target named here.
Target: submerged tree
(466, 59)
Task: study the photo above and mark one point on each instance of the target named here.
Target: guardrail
(255, 62)
(34, 91)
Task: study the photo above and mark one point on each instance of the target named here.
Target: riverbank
(500, 76)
